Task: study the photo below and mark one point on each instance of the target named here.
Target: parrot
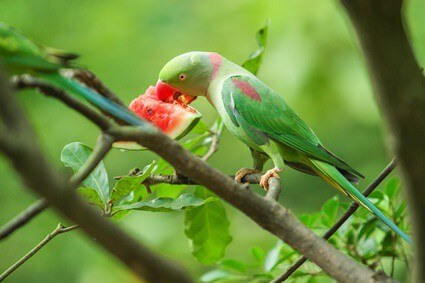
(19, 55)
(262, 120)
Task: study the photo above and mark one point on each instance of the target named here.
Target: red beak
(170, 94)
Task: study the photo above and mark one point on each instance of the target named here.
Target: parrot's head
(187, 76)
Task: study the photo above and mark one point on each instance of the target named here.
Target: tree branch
(272, 193)
(399, 87)
(29, 161)
(350, 211)
(265, 212)
(60, 229)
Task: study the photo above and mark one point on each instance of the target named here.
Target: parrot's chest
(214, 97)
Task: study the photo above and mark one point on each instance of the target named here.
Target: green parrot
(19, 55)
(260, 118)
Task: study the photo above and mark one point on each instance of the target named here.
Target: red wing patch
(215, 60)
(246, 88)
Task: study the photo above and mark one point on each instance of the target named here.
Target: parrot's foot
(243, 172)
(264, 181)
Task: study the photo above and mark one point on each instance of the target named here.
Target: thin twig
(23, 218)
(214, 146)
(156, 179)
(274, 189)
(102, 147)
(60, 229)
(350, 211)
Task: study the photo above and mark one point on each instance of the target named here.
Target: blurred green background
(312, 59)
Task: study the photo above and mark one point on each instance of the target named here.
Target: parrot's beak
(168, 93)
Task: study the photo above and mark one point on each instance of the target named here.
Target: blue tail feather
(365, 201)
(100, 101)
(332, 173)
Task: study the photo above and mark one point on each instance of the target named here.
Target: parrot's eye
(182, 76)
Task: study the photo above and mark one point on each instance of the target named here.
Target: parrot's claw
(243, 172)
(264, 181)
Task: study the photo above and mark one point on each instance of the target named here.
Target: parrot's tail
(93, 97)
(330, 174)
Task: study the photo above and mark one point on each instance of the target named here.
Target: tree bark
(400, 90)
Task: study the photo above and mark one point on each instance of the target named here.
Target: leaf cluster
(363, 237)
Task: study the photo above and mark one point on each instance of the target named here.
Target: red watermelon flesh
(175, 120)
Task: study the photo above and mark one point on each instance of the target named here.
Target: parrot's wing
(249, 101)
(18, 49)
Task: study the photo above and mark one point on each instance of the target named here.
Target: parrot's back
(19, 51)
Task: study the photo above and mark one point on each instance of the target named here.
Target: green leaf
(200, 128)
(272, 257)
(368, 228)
(369, 248)
(185, 201)
(387, 242)
(120, 215)
(74, 155)
(130, 183)
(350, 237)
(91, 195)
(258, 253)
(207, 228)
(198, 145)
(198, 142)
(330, 211)
(392, 188)
(376, 195)
(217, 127)
(310, 220)
(126, 185)
(400, 211)
(255, 59)
(215, 275)
(261, 278)
(233, 264)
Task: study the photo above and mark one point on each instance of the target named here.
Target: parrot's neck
(226, 69)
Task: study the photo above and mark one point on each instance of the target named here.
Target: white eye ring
(182, 77)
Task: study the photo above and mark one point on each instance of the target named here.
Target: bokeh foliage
(312, 59)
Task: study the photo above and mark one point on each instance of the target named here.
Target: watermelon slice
(174, 119)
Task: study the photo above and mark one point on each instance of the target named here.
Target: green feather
(260, 111)
(22, 55)
(332, 175)
(276, 119)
